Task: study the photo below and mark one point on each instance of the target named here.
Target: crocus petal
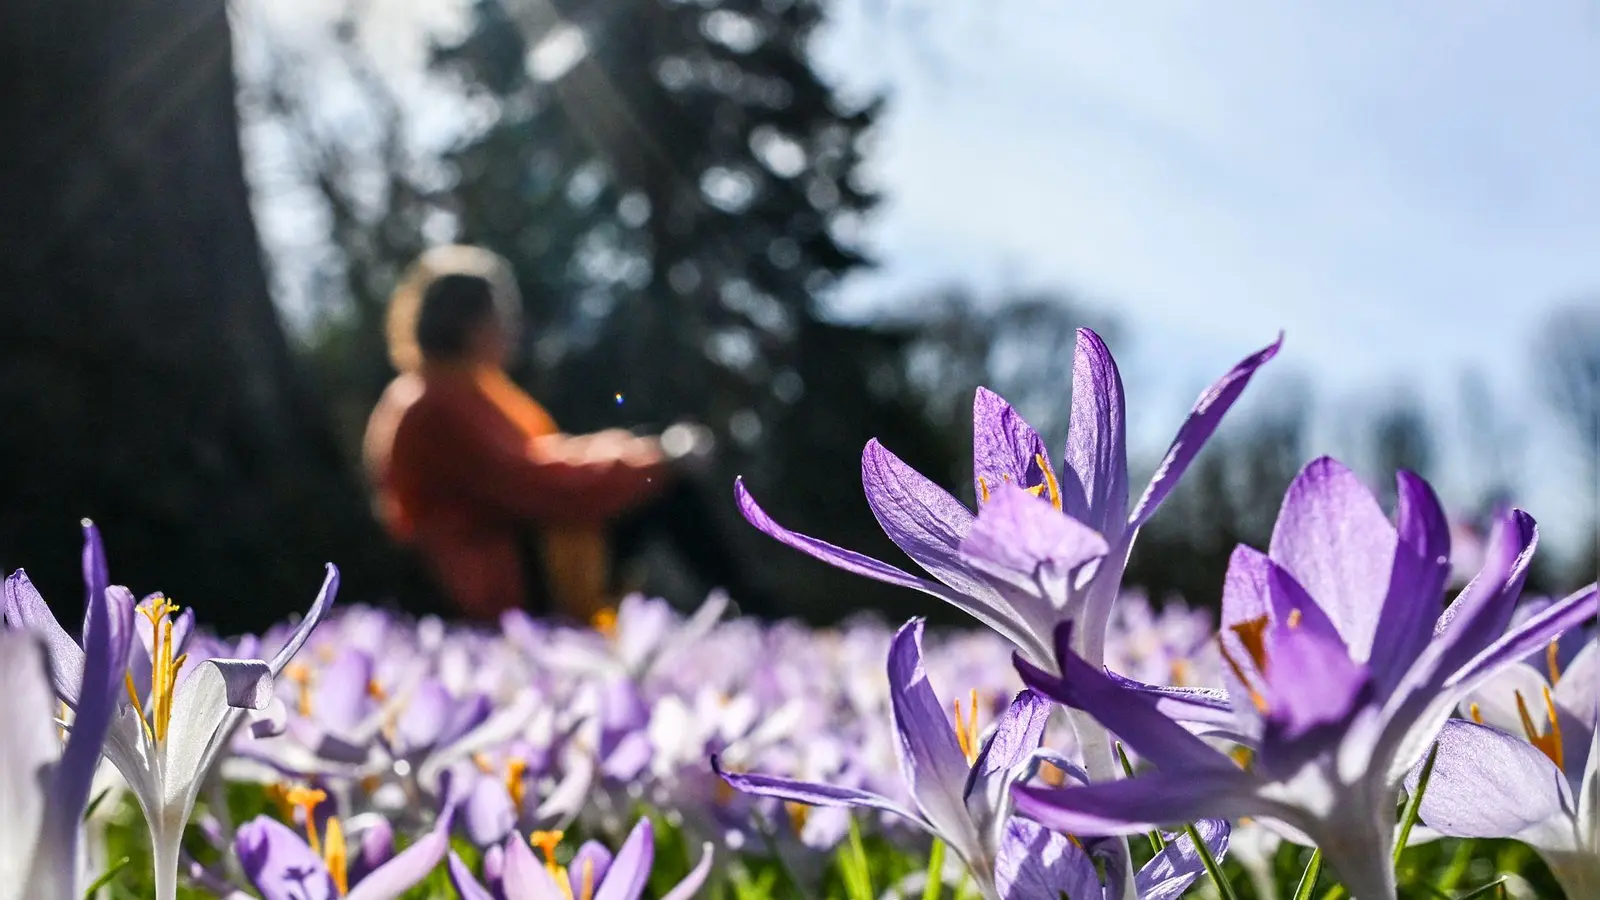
(1195, 706)
(28, 744)
(984, 608)
(1578, 691)
(809, 792)
(375, 848)
(921, 518)
(461, 879)
(1131, 715)
(279, 864)
(525, 878)
(1495, 699)
(488, 813)
(1005, 448)
(1015, 736)
(319, 608)
(1314, 690)
(1036, 863)
(1537, 632)
(934, 767)
(696, 878)
(342, 696)
(1097, 451)
(204, 704)
(25, 609)
(1416, 581)
(1196, 429)
(596, 858)
(425, 716)
(631, 867)
(1483, 609)
(1169, 873)
(1332, 536)
(407, 869)
(1136, 805)
(108, 632)
(1486, 783)
(1020, 538)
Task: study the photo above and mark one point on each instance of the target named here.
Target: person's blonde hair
(405, 304)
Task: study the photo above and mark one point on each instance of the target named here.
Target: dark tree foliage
(672, 181)
(1401, 439)
(1567, 356)
(143, 374)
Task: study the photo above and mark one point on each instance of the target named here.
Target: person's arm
(538, 481)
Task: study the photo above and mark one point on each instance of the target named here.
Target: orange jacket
(460, 476)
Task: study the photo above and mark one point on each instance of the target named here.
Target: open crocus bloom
(961, 789)
(1018, 573)
(177, 714)
(282, 865)
(1342, 671)
(1525, 766)
(593, 874)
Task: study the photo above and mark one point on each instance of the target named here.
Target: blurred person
(503, 508)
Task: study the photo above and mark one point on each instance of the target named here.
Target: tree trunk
(144, 378)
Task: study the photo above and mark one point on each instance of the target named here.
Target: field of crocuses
(1354, 725)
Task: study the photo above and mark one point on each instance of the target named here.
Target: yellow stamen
(306, 800)
(483, 762)
(545, 842)
(1243, 757)
(1181, 670)
(336, 856)
(279, 795)
(1051, 774)
(515, 770)
(1050, 481)
(133, 697)
(605, 621)
(300, 674)
(1551, 663)
(1475, 713)
(798, 814)
(722, 793)
(1549, 742)
(163, 670)
(967, 730)
(1258, 701)
(983, 489)
(1252, 633)
(1294, 618)
(376, 691)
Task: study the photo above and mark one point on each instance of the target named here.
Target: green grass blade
(1308, 880)
(1414, 804)
(1215, 871)
(935, 885)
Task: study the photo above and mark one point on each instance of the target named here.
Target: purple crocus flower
(1342, 671)
(165, 740)
(283, 865)
(46, 786)
(1036, 863)
(961, 790)
(593, 874)
(1527, 766)
(1013, 565)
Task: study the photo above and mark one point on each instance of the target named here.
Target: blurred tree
(1230, 495)
(144, 375)
(675, 184)
(1567, 357)
(1019, 345)
(1401, 438)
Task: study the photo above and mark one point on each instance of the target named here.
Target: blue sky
(1405, 189)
